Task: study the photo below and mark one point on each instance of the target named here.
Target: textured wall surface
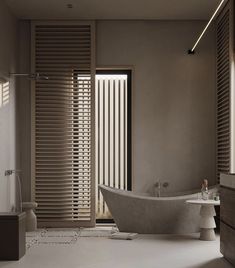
(173, 113)
(24, 110)
(8, 63)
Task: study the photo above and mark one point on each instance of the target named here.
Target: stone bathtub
(134, 212)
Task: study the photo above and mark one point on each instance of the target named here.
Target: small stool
(31, 219)
(207, 213)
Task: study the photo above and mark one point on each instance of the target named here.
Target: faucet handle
(165, 184)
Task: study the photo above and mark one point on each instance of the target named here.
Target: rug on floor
(52, 236)
(65, 236)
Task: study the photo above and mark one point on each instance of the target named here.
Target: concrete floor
(146, 251)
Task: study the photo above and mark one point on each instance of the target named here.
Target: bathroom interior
(117, 141)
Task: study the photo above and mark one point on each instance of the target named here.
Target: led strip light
(192, 51)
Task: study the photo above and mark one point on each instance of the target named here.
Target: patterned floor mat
(51, 237)
(63, 236)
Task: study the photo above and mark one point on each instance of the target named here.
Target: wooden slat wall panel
(224, 87)
(64, 125)
(4, 93)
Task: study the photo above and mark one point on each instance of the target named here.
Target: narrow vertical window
(113, 133)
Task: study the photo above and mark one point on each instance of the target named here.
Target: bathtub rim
(132, 194)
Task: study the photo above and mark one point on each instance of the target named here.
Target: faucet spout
(158, 186)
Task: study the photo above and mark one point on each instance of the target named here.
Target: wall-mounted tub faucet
(158, 186)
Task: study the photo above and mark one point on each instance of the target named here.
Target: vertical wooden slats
(4, 93)
(224, 42)
(63, 123)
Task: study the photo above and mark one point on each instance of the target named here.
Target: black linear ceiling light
(192, 50)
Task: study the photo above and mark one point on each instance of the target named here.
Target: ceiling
(114, 9)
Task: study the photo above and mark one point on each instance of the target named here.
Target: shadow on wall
(216, 263)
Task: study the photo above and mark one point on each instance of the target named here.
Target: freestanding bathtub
(143, 214)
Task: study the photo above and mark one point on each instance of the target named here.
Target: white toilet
(31, 219)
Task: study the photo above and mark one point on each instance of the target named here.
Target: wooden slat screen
(64, 124)
(224, 88)
(4, 93)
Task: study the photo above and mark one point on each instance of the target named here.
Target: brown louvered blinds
(63, 123)
(225, 90)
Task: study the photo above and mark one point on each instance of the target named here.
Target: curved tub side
(151, 215)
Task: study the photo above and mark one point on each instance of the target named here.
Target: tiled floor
(98, 251)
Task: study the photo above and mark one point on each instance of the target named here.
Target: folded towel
(123, 236)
